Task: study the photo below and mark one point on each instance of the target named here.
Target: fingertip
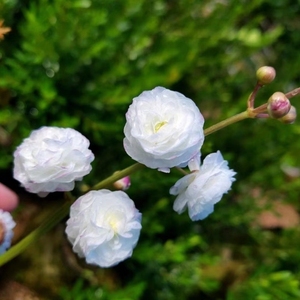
(8, 198)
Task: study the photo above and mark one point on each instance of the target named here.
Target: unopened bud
(290, 117)
(265, 75)
(278, 105)
(123, 183)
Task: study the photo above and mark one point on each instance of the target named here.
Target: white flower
(201, 189)
(164, 129)
(51, 159)
(104, 227)
(6, 230)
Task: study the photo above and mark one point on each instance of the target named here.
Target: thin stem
(293, 93)
(260, 109)
(116, 176)
(236, 118)
(253, 95)
(182, 171)
(55, 217)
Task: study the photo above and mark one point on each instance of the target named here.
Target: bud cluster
(279, 107)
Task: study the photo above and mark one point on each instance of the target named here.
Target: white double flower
(200, 190)
(164, 129)
(51, 159)
(104, 227)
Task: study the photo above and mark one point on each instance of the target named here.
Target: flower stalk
(59, 214)
(236, 118)
(116, 176)
(53, 218)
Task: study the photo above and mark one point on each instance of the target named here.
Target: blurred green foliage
(79, 64)
(279, 285)
(80, 292)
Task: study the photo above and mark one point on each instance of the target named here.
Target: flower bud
(278, 105)
(123, 183)
(265, 75)
(290, 117)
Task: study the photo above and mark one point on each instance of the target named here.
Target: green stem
(55, 217)
(117, 175)
(252, 96)
(236, 118)
(293, 93)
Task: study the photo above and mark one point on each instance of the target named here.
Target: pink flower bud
(265, 75)
(290, 117)
(278, 105)
(123, 183)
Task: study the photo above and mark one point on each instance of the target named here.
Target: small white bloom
(164, 129)
(201, 189)
(104, 227)
(6, 230)
(51, 159)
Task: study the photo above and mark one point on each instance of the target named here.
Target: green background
(79, 64)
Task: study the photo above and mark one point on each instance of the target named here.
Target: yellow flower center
(114, 223)
(159, 125)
